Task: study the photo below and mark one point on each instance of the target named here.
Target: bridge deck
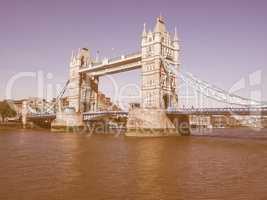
(204, 111)
(219, 111)
(41, 116)
(91, 115)
(120, 64)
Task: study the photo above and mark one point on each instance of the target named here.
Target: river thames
(46, 166)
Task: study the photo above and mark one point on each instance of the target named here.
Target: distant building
(105, 103)
(17, 106)
(221, 121)
(200, 121)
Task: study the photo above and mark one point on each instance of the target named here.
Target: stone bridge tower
(160, 64)
(82, 88)
(158, 79)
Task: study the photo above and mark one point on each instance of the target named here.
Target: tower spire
(144, 30)
(72, 55)
(160, 25)
(160, 16)
(175, 38)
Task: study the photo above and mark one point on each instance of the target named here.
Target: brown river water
(40, 165)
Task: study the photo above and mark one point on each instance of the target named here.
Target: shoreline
(231, 133)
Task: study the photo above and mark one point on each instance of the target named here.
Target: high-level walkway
(114, 65)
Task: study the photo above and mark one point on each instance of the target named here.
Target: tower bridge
(159, 61)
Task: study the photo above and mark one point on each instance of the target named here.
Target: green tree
(6, 110)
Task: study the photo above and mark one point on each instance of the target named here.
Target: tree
(6, 110)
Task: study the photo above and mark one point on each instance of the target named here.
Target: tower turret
(160, 25)
(144, 31)
(78, 60)
(176, 46)
(157, 90)
(144, 35)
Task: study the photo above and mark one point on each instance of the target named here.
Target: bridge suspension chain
(217, 93)
(211, 91)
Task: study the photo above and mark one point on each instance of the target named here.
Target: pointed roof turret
(175, 38)
(144, 30)
(160, 25)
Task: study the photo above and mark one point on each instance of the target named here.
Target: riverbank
(249, 133)
(10, 125)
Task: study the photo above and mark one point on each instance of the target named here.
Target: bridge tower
(79, 83)
(159, 80)
(160, 64)
(82, 87)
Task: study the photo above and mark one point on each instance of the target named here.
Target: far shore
(240, 133)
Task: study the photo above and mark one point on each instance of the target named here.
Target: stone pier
(68, 121)
(155, 123)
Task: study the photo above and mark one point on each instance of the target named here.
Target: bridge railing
(97, 64)
(252, 109)
(41, 115)
(132, 55)
(114, 59)
(104, 112)
(91, 115)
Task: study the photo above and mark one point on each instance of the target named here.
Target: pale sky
(222, 41)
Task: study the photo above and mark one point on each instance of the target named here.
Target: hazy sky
(222, 41)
